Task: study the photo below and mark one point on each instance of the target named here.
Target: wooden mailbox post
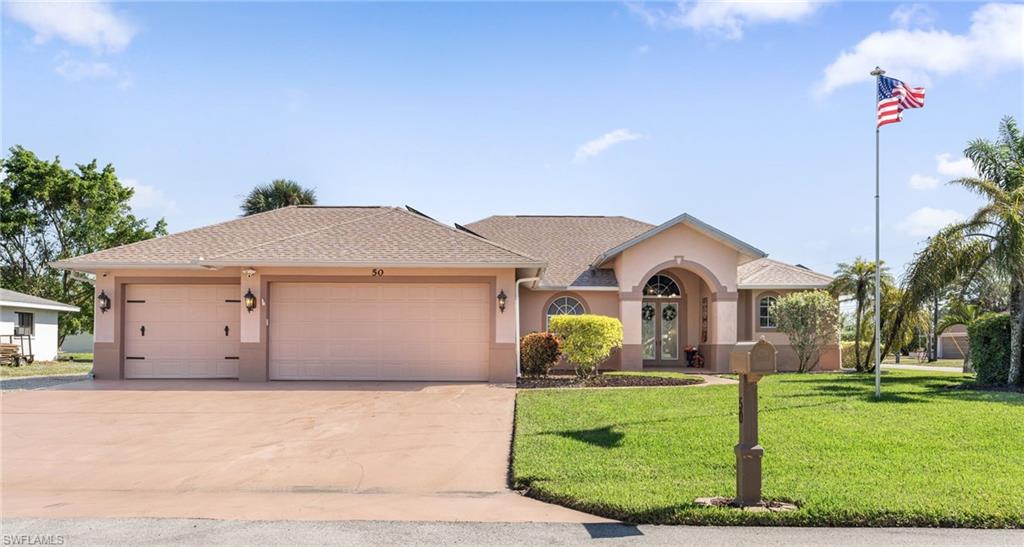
(751, 360)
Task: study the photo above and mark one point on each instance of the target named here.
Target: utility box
(754, 358)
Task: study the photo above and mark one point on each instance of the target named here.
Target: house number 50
(377, 272)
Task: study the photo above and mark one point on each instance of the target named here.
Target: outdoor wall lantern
(502, 300)
(250, 300)
(104, 301)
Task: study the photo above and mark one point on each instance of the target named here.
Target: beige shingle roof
(568, 243)
(313, 235)
(768, 273)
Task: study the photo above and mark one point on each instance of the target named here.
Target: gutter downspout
(519, 367)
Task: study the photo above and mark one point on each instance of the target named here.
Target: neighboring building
(33, 316)
(953, 342)
(384, 293)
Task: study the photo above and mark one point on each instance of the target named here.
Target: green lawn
(47, 368)
(924, 455)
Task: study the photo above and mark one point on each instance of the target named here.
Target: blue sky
(757, 118)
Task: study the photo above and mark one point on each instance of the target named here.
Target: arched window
(563, 305)
(765, 317)
(663, 286)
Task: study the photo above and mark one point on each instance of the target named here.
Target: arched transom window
(765, 317)
(663, 286)
(564, 305)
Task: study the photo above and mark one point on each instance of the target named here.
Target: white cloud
(913, 15)
(926, 221)
(596, 146)
(993, 43)
(949, 167)
(74, 70)
(728, 18)
(923, 182)
(91, 24)
(149, 198)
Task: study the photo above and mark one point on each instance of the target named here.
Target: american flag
(894, 97)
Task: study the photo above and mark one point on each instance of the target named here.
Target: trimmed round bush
(538, 352)
(587, 340)
(990, 348)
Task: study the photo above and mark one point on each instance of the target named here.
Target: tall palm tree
(993, 236)
(856, 281)
(279, 193)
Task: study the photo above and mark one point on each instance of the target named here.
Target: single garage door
(379, 331)
(181, 331)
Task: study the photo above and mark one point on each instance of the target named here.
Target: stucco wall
(533, 312)
(830, 358)
(635, 265)
(44, 335)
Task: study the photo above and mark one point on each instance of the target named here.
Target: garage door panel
(385, 331)
(184, 331)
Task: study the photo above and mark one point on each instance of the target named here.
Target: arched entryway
(662, 320)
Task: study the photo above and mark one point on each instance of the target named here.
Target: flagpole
(877, 73)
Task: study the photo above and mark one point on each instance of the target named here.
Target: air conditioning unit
(22, 331)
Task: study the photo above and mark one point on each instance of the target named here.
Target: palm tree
(959, 312)
(992, 238)
(279, 193)
(856, 281)
(900, 333)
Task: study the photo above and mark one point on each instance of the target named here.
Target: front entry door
(660, 332)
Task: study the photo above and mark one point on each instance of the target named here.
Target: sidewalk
(233, 532)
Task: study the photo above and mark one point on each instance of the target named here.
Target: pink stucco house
(386, 293)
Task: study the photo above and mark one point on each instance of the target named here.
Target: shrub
(810, 319)
(538, 352)
(990, 347)
(849, 356)
(587, 340)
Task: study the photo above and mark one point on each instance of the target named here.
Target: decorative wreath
(668, 314)
(647, 312)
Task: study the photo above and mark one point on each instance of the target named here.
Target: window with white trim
(765, 317)
(26, 323)
(563, 305)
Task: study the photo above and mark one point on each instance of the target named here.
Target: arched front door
(661, 317)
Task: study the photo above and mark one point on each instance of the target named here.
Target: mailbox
(757, 358)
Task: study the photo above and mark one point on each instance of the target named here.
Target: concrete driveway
(284, 450)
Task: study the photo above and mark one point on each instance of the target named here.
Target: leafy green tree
(279, 193)
(49, 212)
(856, 281)
(811, 320)
(992, 238)
(587, 340)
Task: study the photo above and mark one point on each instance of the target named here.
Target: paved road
(76, 532)
(39, 382)
(921, 368)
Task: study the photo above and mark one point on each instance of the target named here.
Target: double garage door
(318, 331)
(379, 331)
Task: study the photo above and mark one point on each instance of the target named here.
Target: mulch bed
(604, 380)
